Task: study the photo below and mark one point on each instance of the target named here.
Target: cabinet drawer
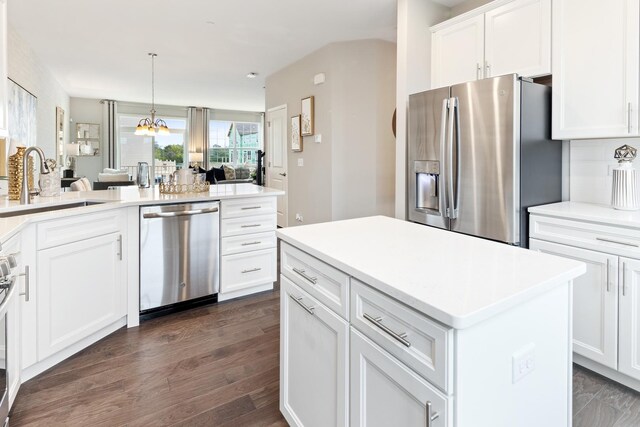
(248, 207)
(249, 242)
(599, 237)
(241, 271)
(419, 342)
(78, 227)
(327, 284)
(248, 225)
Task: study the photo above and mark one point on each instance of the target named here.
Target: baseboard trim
(605, 371)
(245, 292)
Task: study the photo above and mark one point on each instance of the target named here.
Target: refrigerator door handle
(456, 203)
(443, 157)
(452, 208)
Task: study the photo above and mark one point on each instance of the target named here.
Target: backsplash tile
(589, 165)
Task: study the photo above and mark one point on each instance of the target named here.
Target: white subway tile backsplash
(589, 165)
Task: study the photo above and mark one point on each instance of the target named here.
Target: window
(163, 155)
(235, 143)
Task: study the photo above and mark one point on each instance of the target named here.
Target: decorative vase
(50, 184)
(15, 173)
(624, 194)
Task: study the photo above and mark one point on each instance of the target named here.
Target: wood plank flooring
(216, 366)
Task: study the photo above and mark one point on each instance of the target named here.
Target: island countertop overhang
(456, 279)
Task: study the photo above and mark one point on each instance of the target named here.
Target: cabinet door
(595, 68)
(457, 53)
(313, 360)
(81, 289)
(595, 302)
(518, 39)
(384, 392)
(629, 346)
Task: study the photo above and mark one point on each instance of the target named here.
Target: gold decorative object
(171, 188)
(15, 173)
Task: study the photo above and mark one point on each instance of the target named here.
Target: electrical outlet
(318, 138)
(301, 162)
(299, 217)
(523, 362)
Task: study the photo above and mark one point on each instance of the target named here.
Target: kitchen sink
(40, 209)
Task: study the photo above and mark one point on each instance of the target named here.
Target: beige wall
(350, 173)
(26, 69)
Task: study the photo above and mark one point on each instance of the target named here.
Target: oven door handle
(180, 213)
(10, 290)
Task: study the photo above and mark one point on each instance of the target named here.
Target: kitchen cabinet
(595, 69)
(595, 302)
(313, 360)
(82, 289)
(384, 392)
(500, 38)
(248, 262)
(458, 53)
(606, 301)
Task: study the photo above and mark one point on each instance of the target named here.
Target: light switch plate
(300, 162)
(318, 138)
(523, 362)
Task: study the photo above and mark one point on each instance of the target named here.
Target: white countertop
(604, 214)
(456, 279)
(120, 197)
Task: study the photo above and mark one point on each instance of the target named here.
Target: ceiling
(98, 48)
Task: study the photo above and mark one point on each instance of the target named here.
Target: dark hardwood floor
(210, 366)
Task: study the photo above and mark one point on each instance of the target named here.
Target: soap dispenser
(624, 194)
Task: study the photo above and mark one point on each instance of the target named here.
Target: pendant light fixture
(152, 126)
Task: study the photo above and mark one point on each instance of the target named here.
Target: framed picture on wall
(296, 138)
(307, 116)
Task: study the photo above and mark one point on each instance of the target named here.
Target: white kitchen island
(386, 322)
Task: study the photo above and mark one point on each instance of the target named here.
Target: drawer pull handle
(298, 300)
(250, 243)
(400, 337)
(250, 208)
(301, 272)
(251, 270)
(431, 417)
(619, 243)
(250, 225)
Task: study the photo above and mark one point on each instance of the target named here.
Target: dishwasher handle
(180, 213)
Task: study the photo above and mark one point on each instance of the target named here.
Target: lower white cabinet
(595, 302)
(248, 269)
(81, 289)
(384, 392)
(629, 357)
(314, 357)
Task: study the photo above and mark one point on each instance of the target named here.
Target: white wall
(590, 162)
(26, 69)
(414, 75)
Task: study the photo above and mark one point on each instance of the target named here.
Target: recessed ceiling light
(252, 75)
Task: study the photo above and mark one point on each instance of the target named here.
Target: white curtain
(197, 133)
(111, 159)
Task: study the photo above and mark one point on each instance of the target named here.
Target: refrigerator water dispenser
(427, 175)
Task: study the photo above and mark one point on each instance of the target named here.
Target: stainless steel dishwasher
(179, 253)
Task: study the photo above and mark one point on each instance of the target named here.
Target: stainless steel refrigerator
(479, 154)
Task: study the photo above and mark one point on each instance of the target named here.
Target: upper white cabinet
(518, 39)
(458, 53)
(514, 37)
(595, 68)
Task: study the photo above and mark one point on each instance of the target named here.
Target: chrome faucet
(44, 169)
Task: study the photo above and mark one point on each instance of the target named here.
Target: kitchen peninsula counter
(112, 199)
